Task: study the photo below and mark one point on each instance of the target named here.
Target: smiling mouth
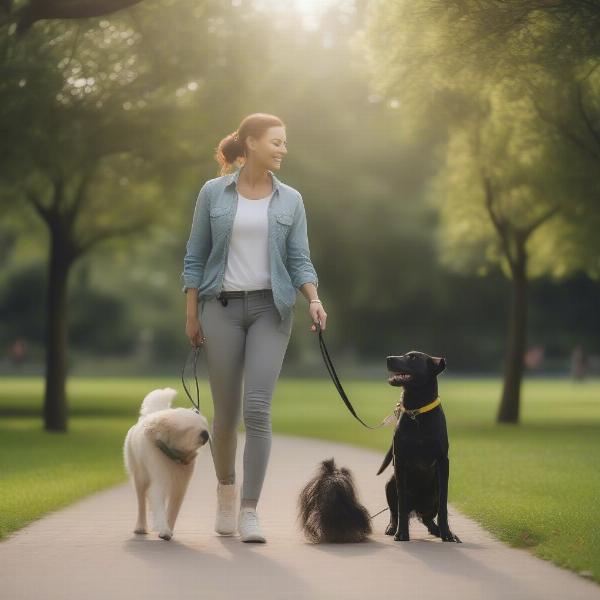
(399, 377)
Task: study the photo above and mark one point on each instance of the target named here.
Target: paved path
(88, 551)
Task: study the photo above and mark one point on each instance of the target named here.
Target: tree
(96, 120)
(495, 197)
(482, 76)
(27, 13)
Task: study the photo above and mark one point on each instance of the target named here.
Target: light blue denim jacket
(208, 245)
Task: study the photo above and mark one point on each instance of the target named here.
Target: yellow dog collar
(413, 412)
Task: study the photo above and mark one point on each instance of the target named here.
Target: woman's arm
(315, 309)
(309, 291)
(198, 245)
(193, 328)
(302, 272)
(197, 251)
(191, 303)
(299, 265)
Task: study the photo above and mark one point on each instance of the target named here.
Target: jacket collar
(233, 177)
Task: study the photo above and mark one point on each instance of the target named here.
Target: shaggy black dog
(328, 507)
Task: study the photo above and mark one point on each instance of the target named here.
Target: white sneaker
(249, 527)
(226, 509)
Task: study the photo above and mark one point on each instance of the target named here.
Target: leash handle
(337, 383)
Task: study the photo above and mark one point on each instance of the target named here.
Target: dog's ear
(439, 364)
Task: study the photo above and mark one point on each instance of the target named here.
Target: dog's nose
(204, 436)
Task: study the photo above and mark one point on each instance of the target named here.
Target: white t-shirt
(248, 266)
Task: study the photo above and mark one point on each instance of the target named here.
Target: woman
(247, 256)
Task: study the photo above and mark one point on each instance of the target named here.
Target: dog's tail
(386, 460)
(159, 399)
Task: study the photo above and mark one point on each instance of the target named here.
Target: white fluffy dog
(160, 455)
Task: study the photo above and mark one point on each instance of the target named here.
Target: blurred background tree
(516, 188)
(394, 119)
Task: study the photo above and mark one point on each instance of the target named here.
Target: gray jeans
(243, 343)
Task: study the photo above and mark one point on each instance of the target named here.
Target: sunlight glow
(309, 11)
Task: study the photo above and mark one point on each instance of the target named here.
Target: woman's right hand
(193, 330)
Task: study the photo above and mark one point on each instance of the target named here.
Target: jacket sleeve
(299, 265)
(199, 243)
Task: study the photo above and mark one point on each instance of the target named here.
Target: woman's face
(270, 149)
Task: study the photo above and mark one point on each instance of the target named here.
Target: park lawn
(535, 486)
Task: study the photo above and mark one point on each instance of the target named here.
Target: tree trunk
(55, 400)
(508, 411)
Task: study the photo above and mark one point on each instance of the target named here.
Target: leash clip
(398, 410)
(411, 412)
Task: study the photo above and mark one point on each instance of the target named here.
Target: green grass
(536, 485)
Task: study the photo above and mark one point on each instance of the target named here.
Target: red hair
(233, 145)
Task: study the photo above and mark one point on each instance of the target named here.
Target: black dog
(419, 449)
(328, 508)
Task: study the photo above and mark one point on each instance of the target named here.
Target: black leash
(338, 385)
(196, 351)
(342, 393)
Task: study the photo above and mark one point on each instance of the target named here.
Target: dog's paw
(448, 536)
(166, 534)
(401, 537)
(140, 530)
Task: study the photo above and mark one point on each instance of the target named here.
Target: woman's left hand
(317, 314)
